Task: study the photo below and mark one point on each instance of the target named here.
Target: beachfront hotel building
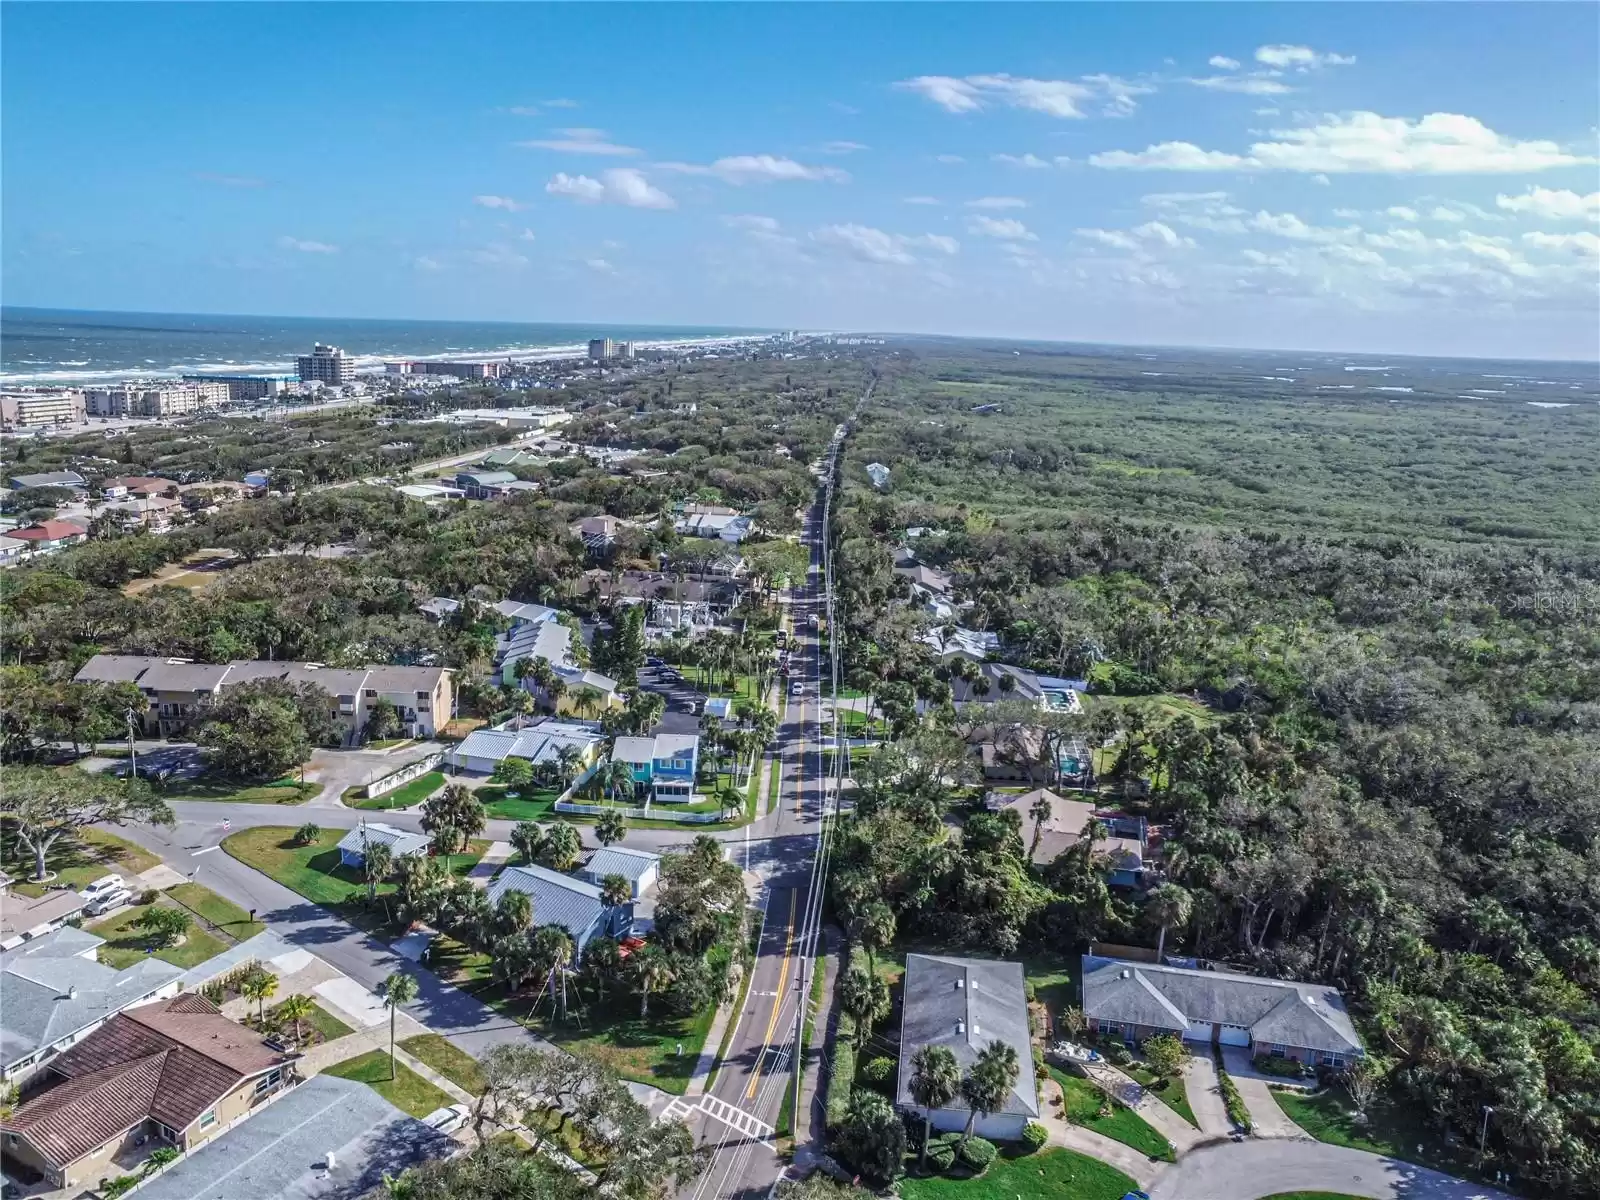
(326, 364)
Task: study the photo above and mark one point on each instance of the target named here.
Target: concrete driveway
(1205, 1096)
(1255, 1168)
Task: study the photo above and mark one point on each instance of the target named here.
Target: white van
(103, 886)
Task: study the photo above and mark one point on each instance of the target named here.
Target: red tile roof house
(51, 535)
(175, 1072)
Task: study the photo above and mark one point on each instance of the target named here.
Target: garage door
(1235, 1035)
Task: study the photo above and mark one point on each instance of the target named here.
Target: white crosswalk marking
(735, 1118)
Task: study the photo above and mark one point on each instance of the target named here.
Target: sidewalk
(495, 857)
(1085, 1141)
(1156, 1114)
(706, 1064)
(817, 1043)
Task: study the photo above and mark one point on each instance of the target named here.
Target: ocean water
(41, 345)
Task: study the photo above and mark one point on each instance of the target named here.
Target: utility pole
(133, 757)
(1483, 1133)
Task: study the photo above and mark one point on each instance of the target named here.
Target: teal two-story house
(663, 766)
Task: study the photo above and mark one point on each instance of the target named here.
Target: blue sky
(1417, 178)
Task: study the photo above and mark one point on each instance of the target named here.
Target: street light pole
(1483, 1133)
(133, 757)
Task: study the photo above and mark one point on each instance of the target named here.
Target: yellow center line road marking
(777, 1000)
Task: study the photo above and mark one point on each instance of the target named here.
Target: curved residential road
(1264, 1167)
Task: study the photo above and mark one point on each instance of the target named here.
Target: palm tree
(610, 827)
(1041, 810)
(528, 838)
(649, 966)
(615, 890)
(935, 1083)
(444, 840)
(555, 689)
(989, 1082)
(295, 1010)
(259, 986)
(569, 761)
(562, 845)
(616, 777)
(377, 860)
(398, 989)
(514, 912)
(1167, 905)
(866, 998)
(587, 701)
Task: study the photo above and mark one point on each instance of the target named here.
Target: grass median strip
(405, 796)
(224, 914)
(455, 1064)
(407, 1091)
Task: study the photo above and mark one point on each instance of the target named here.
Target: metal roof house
(402, 843)
(326, 1139)
(663, 765)
(573, 904)
(964, 1004)
(484, 749)
(53, 992)
(1276, 1017)
(639, 867)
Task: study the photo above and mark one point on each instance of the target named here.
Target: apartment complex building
(245, 388)
(24, 408)
(326, 364)
(179, 692)
(455, 369)
(156, 399)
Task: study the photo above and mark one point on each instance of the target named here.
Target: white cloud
(1363, 142)
(1222, 62)
(870, 245)
(582, 141)
(423, 263)
(1168, 156)
(495, 255)
(1031, 161)
(1553, 204)
(561, 102)
(620, 185)
(600, 266)
(1265, 112)
(1002, 227)
(949, 160)
(924, 200)
(526, 236)
(1321, 180)
(1582, 242)
(1157, 232)
(1300, 58)
(1116, 239)
(843, 147)
(306, 247)
(1062, 98)
(1138, 238)
(502, 202)
(1401, 213)
(993, 202)
(1441, 213)
(523, 110)
(757, 168)
(1246, 85)
(752, 222)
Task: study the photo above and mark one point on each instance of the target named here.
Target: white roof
(401, 841)
(619, 860)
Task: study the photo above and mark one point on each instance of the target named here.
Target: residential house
(964, 1004)
(954, 641)
(23, 917)
(180, 692)
(61, 479)
(1011, 753)
(550, 641)
(598, 532)
(46, 537)
(154, 513)
(482, 750)
(402, 843)
(14, 550)
(1279, 1018)
(325, 1139)
(521, 613)
(438, 608)
(663, 766)
(573, 904)
(1126, 840)
(1002, 681)
(139, 486)
(639, 867)
(706, 596)
(53, 993)
(176, 1071)
(713, 521)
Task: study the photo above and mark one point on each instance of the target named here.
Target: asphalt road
(1267, 1166)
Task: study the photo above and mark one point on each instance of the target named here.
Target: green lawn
(612, 1032)
(1047, 1175)
(407, 1091)
(77, 861)
(530, 805)
(775, 786)
(456, 1065)
(224, 914)
(314, 871)
(213, 787)
(1390, 1130)
(126, 945)
(1082, 1104)
(1169, 1091)
(415, 792)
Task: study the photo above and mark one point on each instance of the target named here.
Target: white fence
(663, 812)
(412, 770)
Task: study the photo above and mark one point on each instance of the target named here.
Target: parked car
(654, 661)
(448, 1120)
(103, 886)
(797, 688)
(104, 902)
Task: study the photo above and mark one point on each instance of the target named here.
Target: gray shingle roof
(277, 1154)
(1310, 1015)
(115, 668)
(38, 1005)
(401, 841)
(964, 1004)
(557, 899)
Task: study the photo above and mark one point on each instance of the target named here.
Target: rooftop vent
(72, 992)
(960, 983)
(961, 1027)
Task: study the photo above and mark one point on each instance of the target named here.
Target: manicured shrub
(1034, 1135)
(942, 1152)
(878, 1072)
(1286, 1068)
(977, 1154)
